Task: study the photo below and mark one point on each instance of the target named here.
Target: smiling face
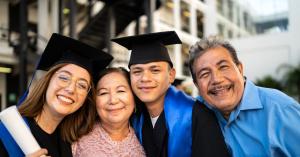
(219, 80)
(67, 91)
(151, 81)
(114, 101)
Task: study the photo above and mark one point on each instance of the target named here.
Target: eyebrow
(66, 71)
(203, 69)
(222, 61)
(135, 68)
(218, 63)
(124, 86)
(102, 88)
(154, 66)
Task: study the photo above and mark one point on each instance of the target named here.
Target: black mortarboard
(177, 81)
(62, 49)
(149, 47)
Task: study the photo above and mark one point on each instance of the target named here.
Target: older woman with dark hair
(59, 108)
(112, 134)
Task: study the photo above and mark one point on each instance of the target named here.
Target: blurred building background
(265, 32)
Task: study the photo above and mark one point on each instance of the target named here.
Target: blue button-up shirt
(265, 123)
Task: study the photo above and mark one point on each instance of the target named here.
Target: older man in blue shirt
(255, 121)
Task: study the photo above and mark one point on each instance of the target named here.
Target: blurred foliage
(269, 82)
(290, 83)
(291, 80)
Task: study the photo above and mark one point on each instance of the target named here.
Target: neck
(155, 109)
(47, 122)
(117, 132)
(226, 115)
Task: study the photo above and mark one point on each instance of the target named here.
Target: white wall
(263, 54)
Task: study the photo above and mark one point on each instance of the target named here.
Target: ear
(172, 74)
(195, 83)
(241, 68)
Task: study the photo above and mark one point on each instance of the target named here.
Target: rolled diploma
(17, 127)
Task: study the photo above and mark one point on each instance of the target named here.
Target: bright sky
(267, 7)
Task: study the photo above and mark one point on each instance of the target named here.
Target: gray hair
(206, 44)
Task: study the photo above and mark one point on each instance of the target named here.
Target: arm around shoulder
(208, 139)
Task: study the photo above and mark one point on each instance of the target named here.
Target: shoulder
(179, 97)
(202, 115)
(87, 142)
(93, 135)
(277, 107)
(275, 98)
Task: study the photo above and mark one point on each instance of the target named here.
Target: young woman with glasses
(59, 107)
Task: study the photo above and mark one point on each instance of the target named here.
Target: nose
(145, 76)
(71, 87)
(216, 77)
(113, 99)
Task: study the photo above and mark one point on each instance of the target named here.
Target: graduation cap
(62, 49)
(149, 47)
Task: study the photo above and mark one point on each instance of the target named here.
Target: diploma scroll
(17, 127)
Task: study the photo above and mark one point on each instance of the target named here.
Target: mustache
(215, 89)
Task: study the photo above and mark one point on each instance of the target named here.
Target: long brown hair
(72, 126)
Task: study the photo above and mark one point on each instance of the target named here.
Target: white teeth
(220, 89)
(65, 99)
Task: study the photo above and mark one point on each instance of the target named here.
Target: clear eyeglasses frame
(64, 79)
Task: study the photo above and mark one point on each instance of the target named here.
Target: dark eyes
(223, 67)
(136, 72)
(100, 93)
(64, 78)
(121, 91)
(155, 70)
(204, 75)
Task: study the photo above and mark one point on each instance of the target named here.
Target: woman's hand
(39, 153)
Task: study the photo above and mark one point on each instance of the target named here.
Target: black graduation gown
(208, 140)
(3, 152)
(155, 140)
(52, 142)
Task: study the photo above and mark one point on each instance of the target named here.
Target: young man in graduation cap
(165, 126)
(59, 108)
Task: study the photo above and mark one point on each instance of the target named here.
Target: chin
(65, 112)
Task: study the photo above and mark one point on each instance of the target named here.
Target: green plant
(269, 82)
(291, 79)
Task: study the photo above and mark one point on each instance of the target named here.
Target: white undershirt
(153, 120)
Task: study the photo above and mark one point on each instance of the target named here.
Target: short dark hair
(109, 70)
(206, 44)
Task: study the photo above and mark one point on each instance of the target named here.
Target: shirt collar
(250, 99)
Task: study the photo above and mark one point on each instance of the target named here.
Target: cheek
(82, 98)
(127, 98)
(133, 79)
(129, 101)
(50, 91)
(202, 86)
(99, 103)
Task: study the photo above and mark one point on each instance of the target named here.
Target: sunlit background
(265, 33)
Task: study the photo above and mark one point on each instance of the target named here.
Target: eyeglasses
(64, 79)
